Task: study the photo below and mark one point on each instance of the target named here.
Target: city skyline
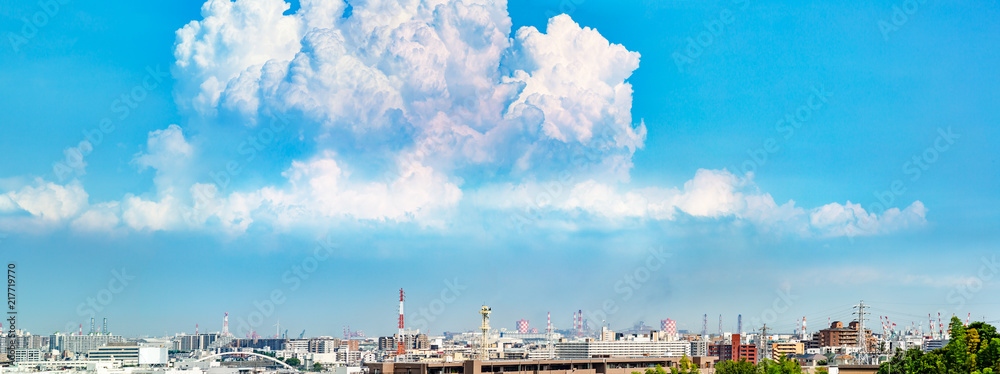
(173, 162)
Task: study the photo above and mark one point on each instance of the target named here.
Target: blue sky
(536, 161)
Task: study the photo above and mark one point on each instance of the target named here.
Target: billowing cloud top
(442, 80)
(439, 90)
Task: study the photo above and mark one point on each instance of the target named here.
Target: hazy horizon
(637, 161)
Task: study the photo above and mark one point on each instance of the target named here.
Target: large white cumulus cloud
(232, 37)
(444, 77)
(459, 111)
(577, 79)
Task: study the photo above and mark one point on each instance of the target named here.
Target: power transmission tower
(762, 343)
(863, 354)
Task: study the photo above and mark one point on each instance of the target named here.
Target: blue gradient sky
(890, 96)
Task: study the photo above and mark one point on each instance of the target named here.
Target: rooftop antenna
(548, 334)
(704, 327)
(720, 325)
(485, 328)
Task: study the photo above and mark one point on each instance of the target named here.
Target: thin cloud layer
(320, 190)
(711, 194)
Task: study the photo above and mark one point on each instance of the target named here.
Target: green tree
(904, 362)
(989, 355)
(986, 331)
(784, 365)
(292, 361)
(655, 370)
(933, 363)
(686, 367)
(317, 367)
(956, 353)
(915, 361)
(737, 367)
(972, 340)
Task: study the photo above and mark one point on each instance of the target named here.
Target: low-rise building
(782, 349)
(27, 355)
(129, 354)
(323, 345)
(189, 343)
(412, 341)
(621, 348)
(930, 345)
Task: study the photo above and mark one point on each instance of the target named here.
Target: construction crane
(302, 334)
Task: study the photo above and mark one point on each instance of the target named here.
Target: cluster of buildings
(484, 350)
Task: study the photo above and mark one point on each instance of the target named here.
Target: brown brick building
(839, 336)
(734, 351)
